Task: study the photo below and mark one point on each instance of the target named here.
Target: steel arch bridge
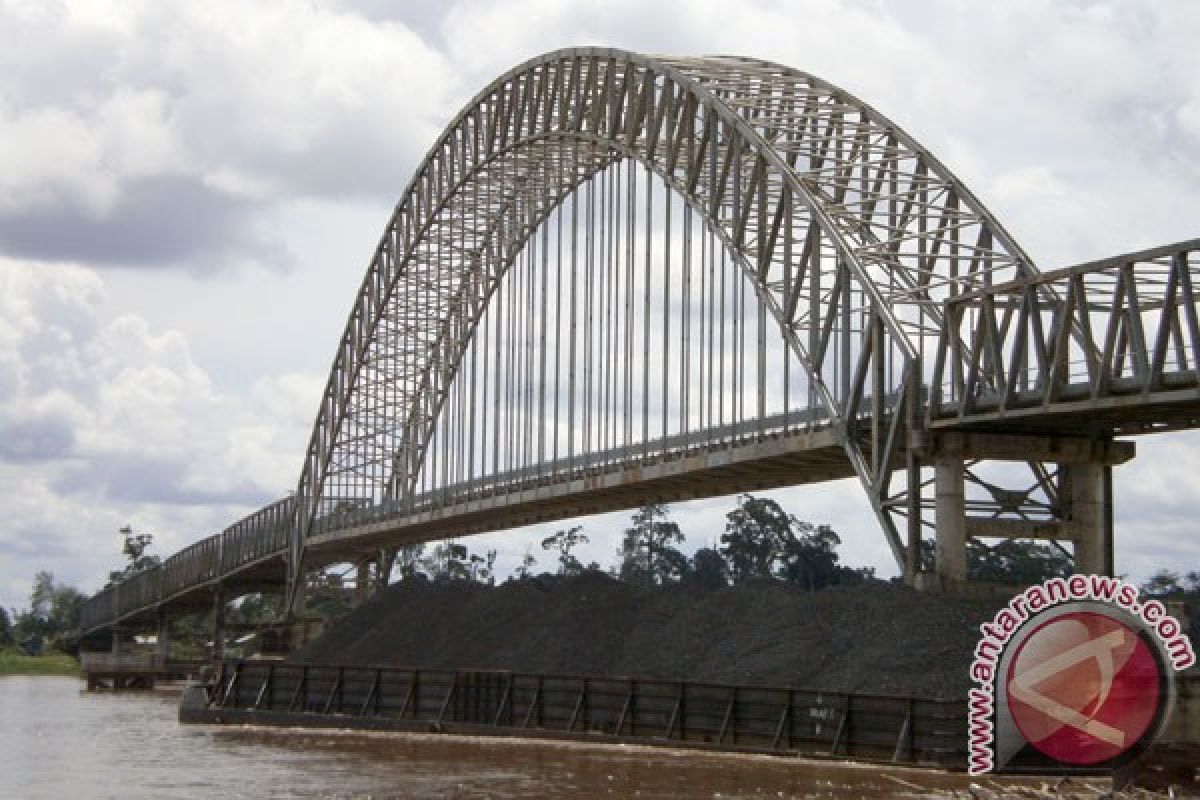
(619, 277)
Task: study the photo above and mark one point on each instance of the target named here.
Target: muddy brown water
(57, 741)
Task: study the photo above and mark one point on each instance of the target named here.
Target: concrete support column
(950, 515)
(163, 636)
(116, 640)
(297, 633)
(300, 597)
(362, 583)
(912, 553)
(387, 560)
(1091, 517)
(218, 628)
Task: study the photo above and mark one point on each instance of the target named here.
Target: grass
(14, 662)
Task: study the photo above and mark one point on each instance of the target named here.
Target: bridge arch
(842, 222)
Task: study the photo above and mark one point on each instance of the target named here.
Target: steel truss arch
(848, 228)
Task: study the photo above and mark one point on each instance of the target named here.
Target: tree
(525, 570)
(563, 542)
(6, 633)
(1163, 583)
(408, 559)
(761, 540)
(483, 568)
(65, 605)
(810, 559)
(134, 548)
(1166, 585)
(257, 609)
(708, 569)
(53, 611)
(448, 562)
(1016, 562)
(756, 537)
(648, 553)
(42, 597)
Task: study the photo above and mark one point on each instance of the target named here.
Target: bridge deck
(779, 460)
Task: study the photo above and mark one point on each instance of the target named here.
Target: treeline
(51, 621)
(760, 541)
(1170, 586)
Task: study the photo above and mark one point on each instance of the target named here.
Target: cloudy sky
(189, 193)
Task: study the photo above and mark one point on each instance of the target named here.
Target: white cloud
(107, 420)
(199, 108)
(211, 136)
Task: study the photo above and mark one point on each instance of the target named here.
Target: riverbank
(14, 662)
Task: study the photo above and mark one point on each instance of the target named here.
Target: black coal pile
(880, 638)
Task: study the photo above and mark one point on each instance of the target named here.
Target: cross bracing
(618, 276)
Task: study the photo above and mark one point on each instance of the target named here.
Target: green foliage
(1014, 561)
(708, 568)
(134, 547)
(810, 558)
(53, 612)
(407, 560)
(483, 567)
(563, 542)
(755, 538)
(42, 596)
(257, 609)
(327, 595)
(446, 561)
(525, 570)
(6, 633)
(14, 662)
(1166, 585)
(648, 554)
(449, 561)
(761, 540)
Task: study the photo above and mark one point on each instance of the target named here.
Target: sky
(190, 193)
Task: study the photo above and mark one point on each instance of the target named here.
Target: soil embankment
(878, 638)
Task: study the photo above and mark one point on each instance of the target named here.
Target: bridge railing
(140, 591)
(349, 512)
(98, 610)
(1092, 334)
(195, 564)
(256, 537)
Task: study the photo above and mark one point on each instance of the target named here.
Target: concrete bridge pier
(362, 582)
(218, 623)
(162, 634)
(383, 567)
(1091, 512)
(950, 521)
(1070, 499)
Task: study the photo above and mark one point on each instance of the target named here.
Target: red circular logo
(1084, 688)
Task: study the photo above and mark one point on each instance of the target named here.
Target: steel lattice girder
(804, 182)
(905, 302)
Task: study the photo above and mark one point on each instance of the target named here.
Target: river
(58, 741)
